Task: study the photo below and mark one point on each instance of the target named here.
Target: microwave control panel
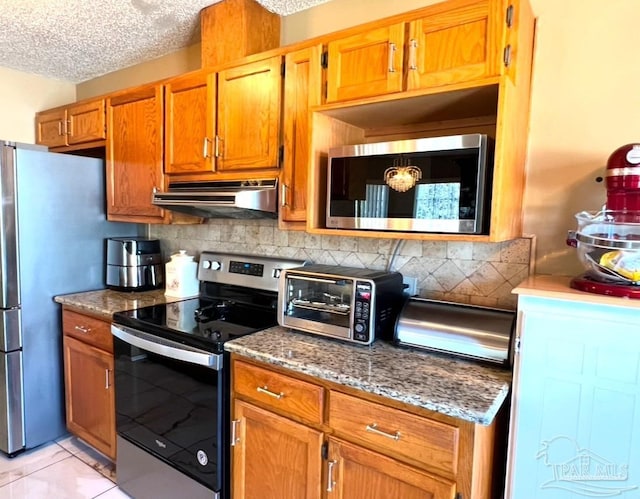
(362, 311)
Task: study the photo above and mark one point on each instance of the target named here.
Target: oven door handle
(167, 348)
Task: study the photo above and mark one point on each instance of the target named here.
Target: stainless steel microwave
(437, 184)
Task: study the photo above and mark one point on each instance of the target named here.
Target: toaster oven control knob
(359, 327)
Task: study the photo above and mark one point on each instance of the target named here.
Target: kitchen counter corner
(456, 387)
(105, 302)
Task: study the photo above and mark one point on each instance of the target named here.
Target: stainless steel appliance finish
(448, 193)
(352, 304)
(469, 331)
(172, 380)
(134, 264)
(52, 242)
(142, 477)
(222, 199)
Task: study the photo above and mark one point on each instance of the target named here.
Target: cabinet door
(273, 457)
(356, 473)
(453, 46)
(134, 154)
(86, 122)
(575, 416)
(189, 124)
(50, 128)
(366, 64)
(302, 90)
(90, 402)
(249, 99)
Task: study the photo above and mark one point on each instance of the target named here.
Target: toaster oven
(351, 304)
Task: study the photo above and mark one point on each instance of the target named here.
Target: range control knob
(215, 265)
(206, 264)
(276, 273)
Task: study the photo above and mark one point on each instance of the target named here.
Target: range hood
(221, 198)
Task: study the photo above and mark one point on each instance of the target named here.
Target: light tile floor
(64, 469)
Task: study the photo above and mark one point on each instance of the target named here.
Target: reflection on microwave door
(424, 185)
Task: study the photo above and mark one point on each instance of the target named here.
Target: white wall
(22, 95)
(585, 103)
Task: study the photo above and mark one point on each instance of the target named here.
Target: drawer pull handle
(83, 329)
(331, 483)
(266, 391)
(373, 428)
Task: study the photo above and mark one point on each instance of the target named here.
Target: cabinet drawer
(88, 329)
(279, 391)
(402, 434)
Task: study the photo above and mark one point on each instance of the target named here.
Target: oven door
(171, 402)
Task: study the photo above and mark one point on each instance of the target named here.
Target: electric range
(172, 377)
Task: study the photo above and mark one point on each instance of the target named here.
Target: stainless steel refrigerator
(52, 241)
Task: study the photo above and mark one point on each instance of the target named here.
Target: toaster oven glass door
(320, 304)
(435, 191)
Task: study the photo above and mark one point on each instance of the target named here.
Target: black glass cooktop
(202, 322)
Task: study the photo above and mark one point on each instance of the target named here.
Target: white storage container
(181, 276)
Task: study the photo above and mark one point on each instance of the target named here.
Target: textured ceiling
(76, 40)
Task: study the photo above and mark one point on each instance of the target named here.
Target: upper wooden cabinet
(77, 126)
(233, 29)
(466, 69)
(221, 125)
(190, 117)
(366, 64)
(134, 154)
(447, 43)
(455, 45)
(249, 100)
(302, 91)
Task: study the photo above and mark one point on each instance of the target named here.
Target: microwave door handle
(313, 279)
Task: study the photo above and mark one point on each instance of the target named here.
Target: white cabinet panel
(575, 426)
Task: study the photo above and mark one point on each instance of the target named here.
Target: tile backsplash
(462, 272)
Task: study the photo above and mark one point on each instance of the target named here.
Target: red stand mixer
(608, 242)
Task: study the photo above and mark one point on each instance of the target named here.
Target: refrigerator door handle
(9, 270)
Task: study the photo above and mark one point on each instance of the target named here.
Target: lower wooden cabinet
(354, 472)
(298, 437)
(273, 457)
(88, 376)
